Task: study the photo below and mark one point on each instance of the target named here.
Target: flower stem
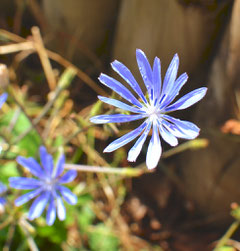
(227, 235)
(192, 144)
(125, 171)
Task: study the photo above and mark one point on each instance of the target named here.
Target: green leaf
(56, 233)
(8, 170)
(101, 238)
(85, 217)
(31, 142)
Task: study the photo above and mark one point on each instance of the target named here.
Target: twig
(31, 243)
(49, 122)
(38, 42)
(83, 76)
(36, 120)
(68, 139)
(64, 81)
(33, 125)
(14, 120)
(62, 61)
(11, 232)
(192, 144)
(12, 48)
(124, 171)
(6, 222)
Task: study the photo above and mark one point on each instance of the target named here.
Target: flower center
(152, 111)
(49, 184)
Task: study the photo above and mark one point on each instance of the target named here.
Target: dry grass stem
(38, 42)
(12, 48)
(59, 59)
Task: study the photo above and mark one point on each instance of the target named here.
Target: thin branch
(43, 55)
(10, 235)
(12, 48)
(80, 130)
(64, 81)
(62, 61)
(6, 222)
(83, 76)
(33, 124)
(192, 144)
(124, 171)
(31, 243)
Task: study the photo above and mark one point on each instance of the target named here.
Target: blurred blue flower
(3, 99)
(3, 189)
(153, 109)
(46, 187)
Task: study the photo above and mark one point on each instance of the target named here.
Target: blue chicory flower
(153, 109)
(47, 187)
(3, 189)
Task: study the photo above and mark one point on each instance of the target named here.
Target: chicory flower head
(3, 189)
(153, 109)
(47, 187)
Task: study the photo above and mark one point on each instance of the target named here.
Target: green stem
(227, 235)
(125, 171)
(192, 144)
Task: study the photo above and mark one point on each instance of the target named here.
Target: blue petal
(51, 212)
(38, 205)
(125, 138)
(126, 74)
(154, 149)
(137, 147)
(181, 80)
(61, 211)
(46, 160)
(187, 100)
(3, 99)
(68, 196)
(145, 70)
(167, 136)
(157, 82)
(24, 183)
(120, 104)
(2, 201)
(119, 89)
(3, 188)
(26, 197)
(116, 118)
(59, 166)
(181, 128)
(32, 165)
(170, 77)
(68, 177)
